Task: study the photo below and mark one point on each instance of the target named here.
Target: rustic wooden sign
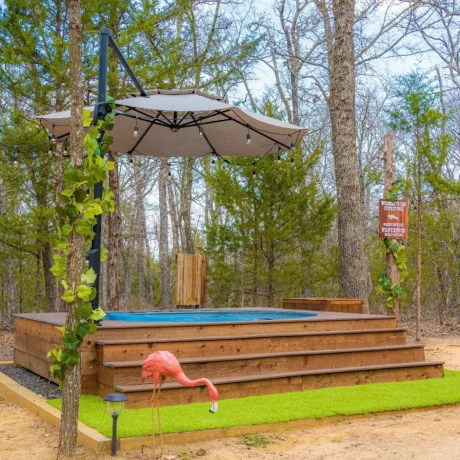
(394, 219)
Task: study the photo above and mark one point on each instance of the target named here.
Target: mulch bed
(31, 381)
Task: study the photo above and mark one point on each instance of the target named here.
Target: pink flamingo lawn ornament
(162, 364)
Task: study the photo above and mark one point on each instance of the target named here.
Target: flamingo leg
(152, 400)
(162, 379)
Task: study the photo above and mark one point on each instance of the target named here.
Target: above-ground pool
(206, 316)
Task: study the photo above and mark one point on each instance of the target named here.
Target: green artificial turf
(326, 402)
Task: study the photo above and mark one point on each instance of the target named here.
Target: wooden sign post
(393, 219)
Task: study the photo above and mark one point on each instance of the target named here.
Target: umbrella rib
(204, 135)
(246, 125)
(144, 134)
(147, 120)
(199, 120)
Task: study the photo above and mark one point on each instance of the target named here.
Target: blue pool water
(205, 316)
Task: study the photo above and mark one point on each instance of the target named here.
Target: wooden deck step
(129, 372)
(236, 387)
(139, 349)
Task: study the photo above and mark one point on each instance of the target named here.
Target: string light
(131, 161)
(50, 151)
(292, 145)
(200, 130)
(248, 137)
(88, 193)
(53, 138)
(292, 160)
(136, 129)
(278, 161)
(87, 261)
(65, 151)
(15, 158)
(213, 163)
(254, 174)
(169, 172)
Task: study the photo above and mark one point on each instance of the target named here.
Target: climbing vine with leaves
(78, 213)
(385, 285)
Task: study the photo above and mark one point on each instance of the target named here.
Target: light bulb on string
(15, 158)
(65, 152)
(213, 163)
(278, 161)
(136, 129)
(169, 172)
(292, 145)
(254, 175)
(53, 138)
(88, 193)
(131, 161)
(292, 160)
(50, 151)
(200, 130)
(248, 137)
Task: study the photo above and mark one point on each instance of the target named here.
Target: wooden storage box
(324, 304)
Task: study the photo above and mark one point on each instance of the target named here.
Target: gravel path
(32, 381)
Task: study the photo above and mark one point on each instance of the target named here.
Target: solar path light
(115, 405)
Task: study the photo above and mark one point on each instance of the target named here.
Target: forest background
(267, 235)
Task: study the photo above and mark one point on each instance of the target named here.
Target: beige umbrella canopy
(188, 123)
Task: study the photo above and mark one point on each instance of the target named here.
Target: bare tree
(438, 22)
(165, 269)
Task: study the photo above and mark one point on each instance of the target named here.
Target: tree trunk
(165, 269)
(186, 205)
(59, 304)
(38, 283)
(75, 254)
(353, 279)
(392, 271)
(173, 216)
(114, 239)
(50, 281)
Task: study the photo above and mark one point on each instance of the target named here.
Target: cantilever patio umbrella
(175, 123)
(188, 123)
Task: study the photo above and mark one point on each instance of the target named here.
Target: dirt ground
(429, 435)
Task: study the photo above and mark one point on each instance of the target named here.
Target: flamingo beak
(214, 407)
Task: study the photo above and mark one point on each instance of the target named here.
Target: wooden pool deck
(241, 358)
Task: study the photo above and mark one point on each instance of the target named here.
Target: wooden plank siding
(324, 304)
(190, 279)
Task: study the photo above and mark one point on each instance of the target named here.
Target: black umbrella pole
(99, 113)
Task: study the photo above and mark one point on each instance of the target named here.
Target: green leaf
(83, 311)
(87, 118)
(68, 296)
(98, 314)
(94, 132)
(110, 165)
(80, 195)
(66, 229)
(61, 329)
(89, 277)
(104, 253)
(83, 291)
(70, 340)
(64, 283)
(71, 211)
(90, 144)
